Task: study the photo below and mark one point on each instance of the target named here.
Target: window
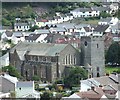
(35, 70)
(69, 59)
(97, 46)
(74, 59)
(85, 43)
(66, 59)
(98, 69)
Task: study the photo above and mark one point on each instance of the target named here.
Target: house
(21, 26)
(68, 26)
(89, 12)
(8, 83)
(114, 6)
(25, 89)
(46, 60)
(111, 82)
(58, 19)
(102, 29)
(17, 37)
(108, 21)
(83, 29)
(6, 35)
(93, 94)
(4, 60)
(36, 38)
(81, 12)
(58, 30)
(42, 31)
(41, 22)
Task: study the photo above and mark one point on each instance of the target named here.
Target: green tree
(6, 22)
(46, 96)
(32, 29)
(104, 14)
(35, 78)
(12, 71)
(74, 77)
(113, 53)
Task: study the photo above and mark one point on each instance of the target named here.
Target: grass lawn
(90, 22)
(111, 69)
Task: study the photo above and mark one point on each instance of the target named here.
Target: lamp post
(57, 65)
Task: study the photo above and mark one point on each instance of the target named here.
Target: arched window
(97, 46)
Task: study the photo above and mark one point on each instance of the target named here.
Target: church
(50, 61)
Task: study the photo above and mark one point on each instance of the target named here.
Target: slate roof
(58, 29)
(100, 8)
(101, 28)
(82, 9)
(41, 49)
(66, 25)
(87, 29)
(9, 34)
(108, 19)
(32, 37)
(21, 24)
(17, 34)
(81, 25)
(42, 31)
(104, 80)
(25, 84)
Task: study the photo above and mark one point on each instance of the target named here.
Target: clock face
(85, 43)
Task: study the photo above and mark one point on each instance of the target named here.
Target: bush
(35, 78)
(12, 71)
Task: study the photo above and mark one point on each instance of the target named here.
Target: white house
(17, 37)
(26, 89)
(89, 12)
(6, 35)
(108, 21)
(19, 26)
(58, 30)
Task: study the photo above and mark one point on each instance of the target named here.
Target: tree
(104, 14)
(74, 77)
(12, 71)
(32, 29)
(113, 53)
(46, 96)
(35, 78)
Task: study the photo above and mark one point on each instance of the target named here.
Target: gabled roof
(25, 84)
(101, 28)
(58, 29)
(32, 37)
(66, 25)
(41, 49)
(87, 29)
(21, 24)
(95, 94)
(9, 34)
(82, 9)
(42, 31)
(17, 34)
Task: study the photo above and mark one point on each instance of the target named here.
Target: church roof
(41, 49)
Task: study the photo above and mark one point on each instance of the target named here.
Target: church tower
(92, 55)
